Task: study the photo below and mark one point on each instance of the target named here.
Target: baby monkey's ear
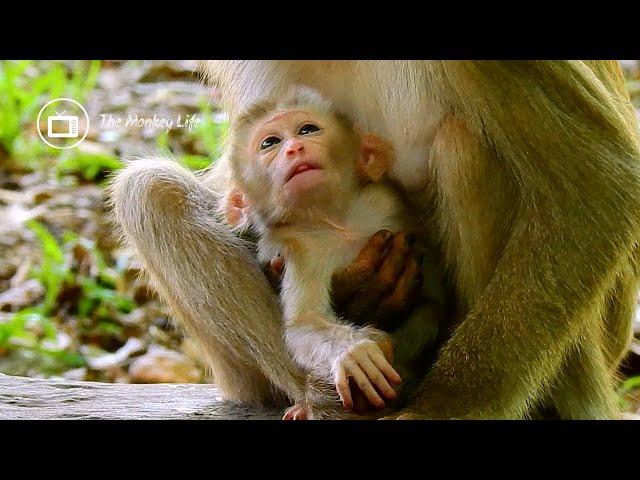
(376, 157)
(235, 208)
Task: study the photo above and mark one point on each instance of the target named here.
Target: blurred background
(72, 302)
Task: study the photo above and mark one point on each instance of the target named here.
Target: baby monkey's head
(297, 157)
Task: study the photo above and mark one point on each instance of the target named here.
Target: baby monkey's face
(303, 154)
(300, 163)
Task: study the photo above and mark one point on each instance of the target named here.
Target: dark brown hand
(382, 285)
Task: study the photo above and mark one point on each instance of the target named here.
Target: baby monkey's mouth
(301, 167)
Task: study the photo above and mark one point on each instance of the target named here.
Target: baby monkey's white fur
(317, 245)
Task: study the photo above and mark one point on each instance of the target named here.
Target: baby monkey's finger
(343, 389)
(365, 385)
(376, 376)
(385, 367)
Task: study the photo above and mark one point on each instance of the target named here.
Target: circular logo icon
(62, 123)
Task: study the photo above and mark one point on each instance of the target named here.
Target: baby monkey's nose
(293, 147)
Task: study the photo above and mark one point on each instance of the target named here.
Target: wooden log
(23, 398)
(48, 399)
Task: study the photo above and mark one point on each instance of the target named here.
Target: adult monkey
(528, 174)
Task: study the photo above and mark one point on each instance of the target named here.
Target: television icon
(62, 126)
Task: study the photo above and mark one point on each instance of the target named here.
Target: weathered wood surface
(23, 398)
(31, 398)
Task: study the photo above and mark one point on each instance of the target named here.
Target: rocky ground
(117, 331)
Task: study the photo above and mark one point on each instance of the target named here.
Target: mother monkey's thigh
(208, 277)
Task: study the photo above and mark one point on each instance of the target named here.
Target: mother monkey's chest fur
(396, 103)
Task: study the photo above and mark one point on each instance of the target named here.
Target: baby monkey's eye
(308, 128)
(269, 142)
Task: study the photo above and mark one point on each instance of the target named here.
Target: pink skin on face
(295, 160)
(304, 172)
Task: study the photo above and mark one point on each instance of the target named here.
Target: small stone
(160, 365)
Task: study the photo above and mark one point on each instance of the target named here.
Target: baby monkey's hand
(368, 362)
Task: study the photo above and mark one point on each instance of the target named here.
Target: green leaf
(88, 165)
(95, 292)
(630, 384)
(194, 162)
(53, 272)
(50, 248)
(210, 132)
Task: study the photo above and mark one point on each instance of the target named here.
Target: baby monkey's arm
(336, 351)
(380, 288)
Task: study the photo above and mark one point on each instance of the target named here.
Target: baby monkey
(313, 187)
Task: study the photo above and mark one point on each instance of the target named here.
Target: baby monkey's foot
(297, 412)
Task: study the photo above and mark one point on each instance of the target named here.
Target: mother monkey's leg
(208, 277)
